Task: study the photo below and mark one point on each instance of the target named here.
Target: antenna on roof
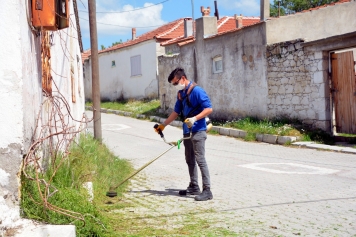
(216, 10)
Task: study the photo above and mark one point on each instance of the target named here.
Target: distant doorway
(343, 88)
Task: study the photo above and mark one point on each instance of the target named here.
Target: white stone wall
(21, 91)
(19, 88)
(297, 84)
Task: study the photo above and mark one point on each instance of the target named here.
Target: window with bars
(136, 65)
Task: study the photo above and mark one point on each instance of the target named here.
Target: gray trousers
(195, 154)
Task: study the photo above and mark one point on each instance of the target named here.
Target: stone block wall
(274, 81)
(297, 84)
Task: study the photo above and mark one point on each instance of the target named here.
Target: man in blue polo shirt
(194, 104)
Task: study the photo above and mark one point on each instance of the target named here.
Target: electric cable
(133, 9)
(123, 26)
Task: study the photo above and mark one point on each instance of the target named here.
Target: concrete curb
(47, 230)
(231, 132)
(224, 131)
(267, 138)
(313, 145)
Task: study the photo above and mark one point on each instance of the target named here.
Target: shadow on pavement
(168, 192)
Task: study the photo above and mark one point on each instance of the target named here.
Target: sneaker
(205, 195)
(192, 189)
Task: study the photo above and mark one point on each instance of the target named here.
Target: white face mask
(180, 87)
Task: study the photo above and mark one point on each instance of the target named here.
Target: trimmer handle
(158, 130)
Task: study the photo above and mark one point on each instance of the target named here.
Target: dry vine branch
(55, 131)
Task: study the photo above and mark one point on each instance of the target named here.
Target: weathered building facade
(279, 67)
(36, 66)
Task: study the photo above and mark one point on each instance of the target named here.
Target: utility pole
(95, 70)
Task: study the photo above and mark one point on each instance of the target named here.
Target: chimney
(238, 19)
(133, 33)
(205, 12)
(206, 25)
(188, 28)
(264, 14)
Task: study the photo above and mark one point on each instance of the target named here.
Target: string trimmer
(113, 193)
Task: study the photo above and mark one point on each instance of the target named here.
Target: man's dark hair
(179, 72)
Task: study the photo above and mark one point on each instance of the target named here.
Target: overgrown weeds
(277, 126)
(145, 107)
(280, 126)
(265, 126)
(88, 161)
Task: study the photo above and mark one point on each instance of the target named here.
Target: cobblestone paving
(259, 189)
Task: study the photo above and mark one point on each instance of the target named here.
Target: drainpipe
(193, 28)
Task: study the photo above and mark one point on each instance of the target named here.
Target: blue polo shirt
(198, 98)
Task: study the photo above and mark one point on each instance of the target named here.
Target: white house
(129, 70)
(37, 67)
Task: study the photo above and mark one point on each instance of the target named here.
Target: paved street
(259, 189)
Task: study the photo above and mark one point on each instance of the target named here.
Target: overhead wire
(133, 9)
(124, 12)
(121, 25)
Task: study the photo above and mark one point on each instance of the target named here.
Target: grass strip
(88, 161)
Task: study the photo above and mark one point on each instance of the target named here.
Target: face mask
(180, 86)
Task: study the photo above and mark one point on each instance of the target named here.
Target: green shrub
(88, 161)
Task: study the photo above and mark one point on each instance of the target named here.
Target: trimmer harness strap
(187, 96)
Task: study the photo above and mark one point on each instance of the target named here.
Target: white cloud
(149, 16)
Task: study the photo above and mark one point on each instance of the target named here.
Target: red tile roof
(228, 23)
(246, 22)
(86, 55)
(188, 41)
(163, 33)
(174, 32)
(176, 40)
(224, 24)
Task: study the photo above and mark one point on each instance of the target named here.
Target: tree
(102, 47)
(275, 12)
(293, 6)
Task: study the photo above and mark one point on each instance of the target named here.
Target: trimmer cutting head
(111, 193)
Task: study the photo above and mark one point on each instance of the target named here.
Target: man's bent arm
(171, 118)
(204, 113)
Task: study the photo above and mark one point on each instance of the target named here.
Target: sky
(116, 18)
